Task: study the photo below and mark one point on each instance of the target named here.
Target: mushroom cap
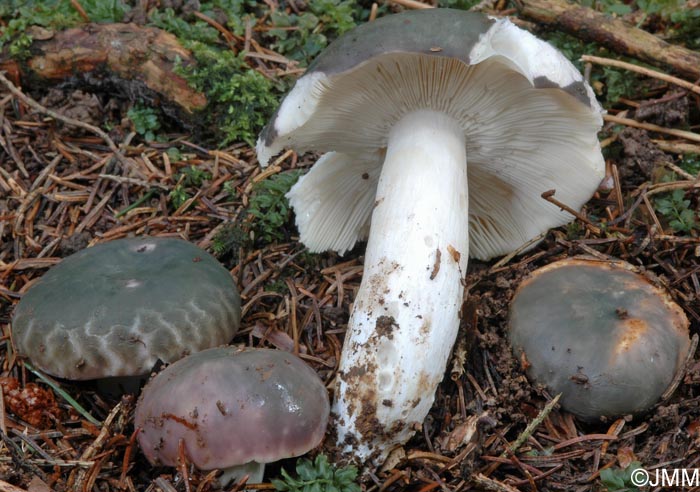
(529, 119)
(116, 308)
(232, 406)
(600, 334)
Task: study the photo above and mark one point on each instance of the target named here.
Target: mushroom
(602, 335)
(437, 125)
(232, 408)
(115, 309)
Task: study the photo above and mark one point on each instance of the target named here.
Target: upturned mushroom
(234, 409)
(117, 308)
(599, 333)
(437, 126)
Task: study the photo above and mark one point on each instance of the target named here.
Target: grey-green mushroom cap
(232, 406)
(117, 308)
(599, 333)
(530, 123)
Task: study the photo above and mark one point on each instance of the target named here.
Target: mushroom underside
(520, 141)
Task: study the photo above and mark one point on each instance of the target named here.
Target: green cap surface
(117, 308)
(599, 333)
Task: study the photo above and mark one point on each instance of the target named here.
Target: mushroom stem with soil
(415, 259)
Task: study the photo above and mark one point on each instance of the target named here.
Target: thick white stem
(253, 470)
(406, 314)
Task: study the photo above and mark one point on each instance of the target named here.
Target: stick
(486, 483)
(641, 70)
(589, 25)
(677, 147)
(8, 487)
(412, 4)
(549, 196)
(524, 436)
(695, 137)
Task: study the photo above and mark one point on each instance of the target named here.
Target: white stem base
(253, 470)
(406, 315)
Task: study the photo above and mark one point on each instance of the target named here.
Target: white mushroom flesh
(406, 314)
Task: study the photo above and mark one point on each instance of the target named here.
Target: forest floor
(63, 187)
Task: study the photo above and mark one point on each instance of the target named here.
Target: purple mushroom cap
(232, 406)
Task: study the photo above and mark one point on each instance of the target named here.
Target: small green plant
(269, 205)
(194, 176)
(574, 230)
(230, 189)
(619, 84)
(279, 286)
(676, 209)
(318, 476)
(145, 121)
(685, 27)
(188, 177)
(178, 196)
(234, 11)
(619, 479)
(303, 36)
(691, 164)
(174, 154)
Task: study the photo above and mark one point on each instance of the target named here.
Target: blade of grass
(78, 407)
(138, 202)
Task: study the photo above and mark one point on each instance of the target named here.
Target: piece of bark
(615, 34)
(137, 61)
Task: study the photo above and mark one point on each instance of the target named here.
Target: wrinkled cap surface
(232, 406)
(599, 333)
(529, 119)
(116, 308)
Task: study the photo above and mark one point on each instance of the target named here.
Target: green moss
(302, 37)
(270, 207)
(231, 13)
(186, 30)
(240, 100)
(228, 241)
(19, 15)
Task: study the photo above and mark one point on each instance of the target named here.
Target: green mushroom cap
(600, 334)
(117, 308)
